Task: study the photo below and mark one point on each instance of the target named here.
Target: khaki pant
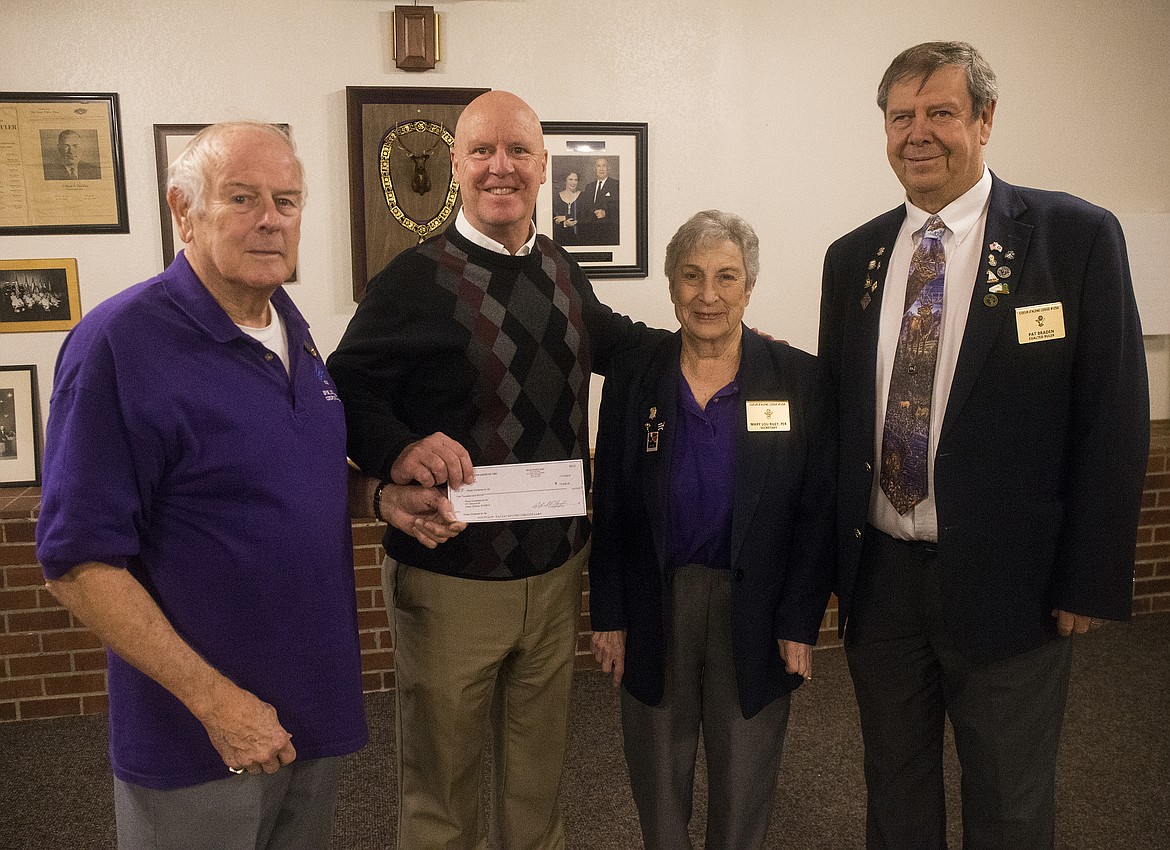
(458, 643)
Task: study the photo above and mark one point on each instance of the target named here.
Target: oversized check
(522, 491)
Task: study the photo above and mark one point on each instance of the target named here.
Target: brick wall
(51, 666)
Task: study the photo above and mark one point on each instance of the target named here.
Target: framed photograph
(61, 164)
(401, 189)
(39, 295)
(20, 427)
(594, 201)
(169, 141)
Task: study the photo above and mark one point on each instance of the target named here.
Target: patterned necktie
(906, 435)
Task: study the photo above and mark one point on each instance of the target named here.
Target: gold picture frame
(39, 295)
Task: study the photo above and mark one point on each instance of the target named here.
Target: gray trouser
(291, 809)
(661, 742)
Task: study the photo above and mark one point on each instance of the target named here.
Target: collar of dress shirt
(960, 215)
(468, 230)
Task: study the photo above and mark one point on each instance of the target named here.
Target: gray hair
(191, 172)
(922, 60)
(709, 226)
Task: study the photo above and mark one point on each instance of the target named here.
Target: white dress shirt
(467, 229)
(966, 221)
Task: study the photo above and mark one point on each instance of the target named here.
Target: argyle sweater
(495, 351)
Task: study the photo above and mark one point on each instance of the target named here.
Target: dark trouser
(291, 809)
(661, 742)
(908, 674)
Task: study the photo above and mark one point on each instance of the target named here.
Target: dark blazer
(85, 171)
(603, 231)
(781, 524)
(1043, 449)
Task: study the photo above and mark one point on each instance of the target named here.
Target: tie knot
(934, 228)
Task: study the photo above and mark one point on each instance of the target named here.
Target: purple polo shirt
(702, 478)
(179, 448)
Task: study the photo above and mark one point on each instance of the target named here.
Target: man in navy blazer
(962, 604)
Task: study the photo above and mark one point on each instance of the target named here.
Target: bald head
(500, 162)
(497, 106)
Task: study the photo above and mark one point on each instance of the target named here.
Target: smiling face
(934, 142)
(710, 293)
(571, 182)
(500, 162)
(243, 245)
(602, 169)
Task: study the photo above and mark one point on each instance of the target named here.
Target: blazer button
(739, 575)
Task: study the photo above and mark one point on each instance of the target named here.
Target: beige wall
(762, 107)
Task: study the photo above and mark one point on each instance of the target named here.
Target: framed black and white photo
(169, 141)
(62, 165)
(20, 427)
(39, 295)
(594, 201)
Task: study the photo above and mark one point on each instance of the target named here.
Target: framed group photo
(39, 295)
(593, 203)
(61, 170)
(20, 427)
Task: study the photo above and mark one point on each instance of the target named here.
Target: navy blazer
(1042, 454)
(781, 522)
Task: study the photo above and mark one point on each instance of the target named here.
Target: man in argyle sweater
(476, 348)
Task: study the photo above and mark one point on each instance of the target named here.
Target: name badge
(1040, 322)
(768, 416)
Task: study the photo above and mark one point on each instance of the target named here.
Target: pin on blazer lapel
(1004, 252)
(658, 392)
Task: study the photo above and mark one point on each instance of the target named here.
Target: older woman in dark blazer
(710, 572)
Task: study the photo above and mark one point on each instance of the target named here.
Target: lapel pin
(995, 246)
(1004, 272)
(1009, 255)
(990, 300)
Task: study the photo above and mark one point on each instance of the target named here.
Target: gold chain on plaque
(397, 134)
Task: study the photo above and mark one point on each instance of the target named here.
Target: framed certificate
(61, 164)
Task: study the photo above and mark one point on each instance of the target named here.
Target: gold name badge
(1040, 322)
(768, 416)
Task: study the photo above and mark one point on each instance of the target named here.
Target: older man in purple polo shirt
(195, 517)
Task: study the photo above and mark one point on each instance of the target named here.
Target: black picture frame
(46, 133)
(20, 427)
(618, 250)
